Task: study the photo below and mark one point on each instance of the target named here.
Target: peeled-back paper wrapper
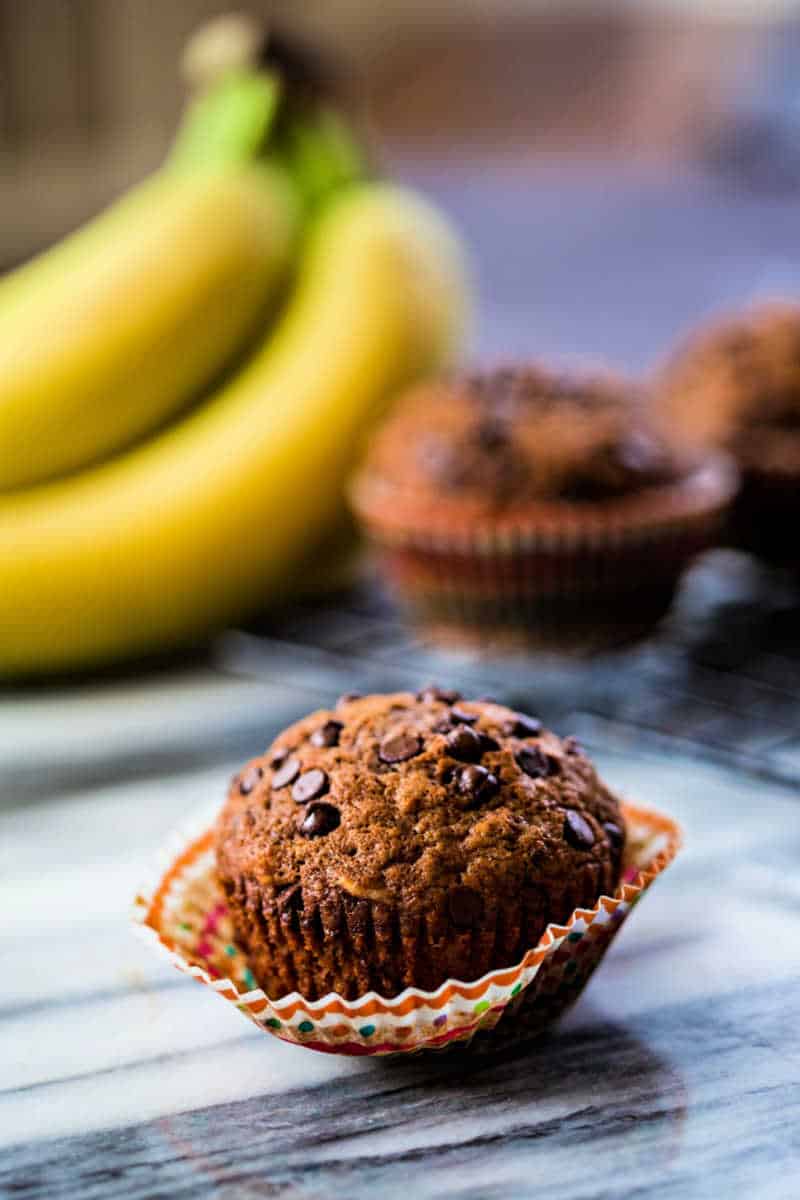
(183, 915)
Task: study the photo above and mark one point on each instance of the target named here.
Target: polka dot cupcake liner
(182, 914)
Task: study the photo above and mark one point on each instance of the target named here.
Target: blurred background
(617, 170)
(89, 93)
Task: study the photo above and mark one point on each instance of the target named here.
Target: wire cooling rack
(719, 678)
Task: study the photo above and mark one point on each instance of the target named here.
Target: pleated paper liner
(574, 573)
(183, 915)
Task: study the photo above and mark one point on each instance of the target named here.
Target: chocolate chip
(614, 834)
(346, 697)
(432, 692)
(488, 743)
(320, 818)
(327, 734)
(572, 746)
(465, 718)
(286, 773)
(310, 786)
(399, 747)
(465, 905)
(250, 780)
(535, 763)
(477, 782)
(464, 744)
(280, 756)
(522, 726)
(577, 830)
(618, 465)
(492, 434)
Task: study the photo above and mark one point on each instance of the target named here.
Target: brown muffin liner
(350, 945)
(182, 912)
(556, 567)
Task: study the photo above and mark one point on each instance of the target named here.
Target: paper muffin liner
(182, 913)
(561, 566)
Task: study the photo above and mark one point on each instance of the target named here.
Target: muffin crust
(505, 438)
(736, 384)
(400, 840)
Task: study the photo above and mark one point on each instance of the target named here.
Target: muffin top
(502, 439)
(736, 384)
(415, 800)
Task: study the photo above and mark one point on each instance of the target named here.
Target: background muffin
(736, 384)
(399, 841)
(535, 498)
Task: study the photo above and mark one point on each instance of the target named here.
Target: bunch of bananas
(184, 383)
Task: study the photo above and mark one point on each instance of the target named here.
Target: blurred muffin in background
(736, 384)
(525, 499)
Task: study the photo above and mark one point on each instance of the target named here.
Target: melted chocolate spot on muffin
(250, 780)
(634, 460)
(522, 726)
(310, 786)
(464, 744)
(327, 734)
(321, 819)
(286, 773)
(577, 830)
(477, 783)
(535, 763)
(399, 747)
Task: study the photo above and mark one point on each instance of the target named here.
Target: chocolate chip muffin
(736, 385)
(536, 498)
(399, 840)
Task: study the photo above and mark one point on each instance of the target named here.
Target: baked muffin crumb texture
(399, 840)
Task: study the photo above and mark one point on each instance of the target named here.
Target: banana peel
(202, 524)
(117, 330)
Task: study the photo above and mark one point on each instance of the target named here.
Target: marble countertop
(676, 1075)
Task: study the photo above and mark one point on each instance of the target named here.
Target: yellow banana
(205, 522)
(110, 333)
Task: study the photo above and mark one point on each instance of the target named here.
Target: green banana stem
(319, 152)
(229, 123)
(248, 114)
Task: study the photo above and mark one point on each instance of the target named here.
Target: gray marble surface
(678, 1073)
